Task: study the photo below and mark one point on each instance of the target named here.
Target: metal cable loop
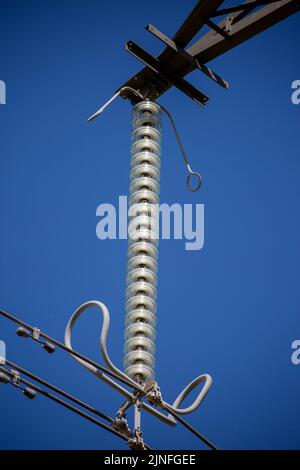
(135, 340)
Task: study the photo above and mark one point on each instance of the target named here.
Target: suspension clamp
(36, 333)
(121, 424)
(153, 394)
(137, 441)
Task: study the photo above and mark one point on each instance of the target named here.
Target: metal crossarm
(212, 45)
(166, 73)
(193, 23)
(250, 4)
(221, 31)
(203, 68)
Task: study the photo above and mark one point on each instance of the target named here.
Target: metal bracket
(137, 441)
(166, 73)
(228, 24)
(217, 29)
(36, 333)
(2, 353)
(121, 424)
(127, 404)
(16, 377)
(153, 394)
(192, 60)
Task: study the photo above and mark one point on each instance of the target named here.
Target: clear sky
(231, 309)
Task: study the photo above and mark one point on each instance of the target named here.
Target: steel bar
(195, 21)
(241, 7)
(164, 71)
(239, 16)
(211, 45)
(190, 27)
(217, 29)
(203, 68)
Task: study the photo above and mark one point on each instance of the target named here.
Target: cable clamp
(137, 441)
(2, 353)
(121, 424)
(153, 394)
(36, 333)
(16, 376)
(228, 24)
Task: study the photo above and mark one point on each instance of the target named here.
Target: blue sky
(231, 309)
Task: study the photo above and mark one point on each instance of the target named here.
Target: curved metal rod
(206, 378)
(191, 173)
(169, 419)
(103, 336)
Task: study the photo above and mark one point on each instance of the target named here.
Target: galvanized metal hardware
(15, 376)
(4, 378)
(2, 353)
(22, 332)
(125, 92)
(137, 441)
(228, 24)
(36, 333)
(121, 425)
(153, 394)
(12, 377)
(192, 175)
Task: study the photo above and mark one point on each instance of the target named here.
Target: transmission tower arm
(240, 26)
